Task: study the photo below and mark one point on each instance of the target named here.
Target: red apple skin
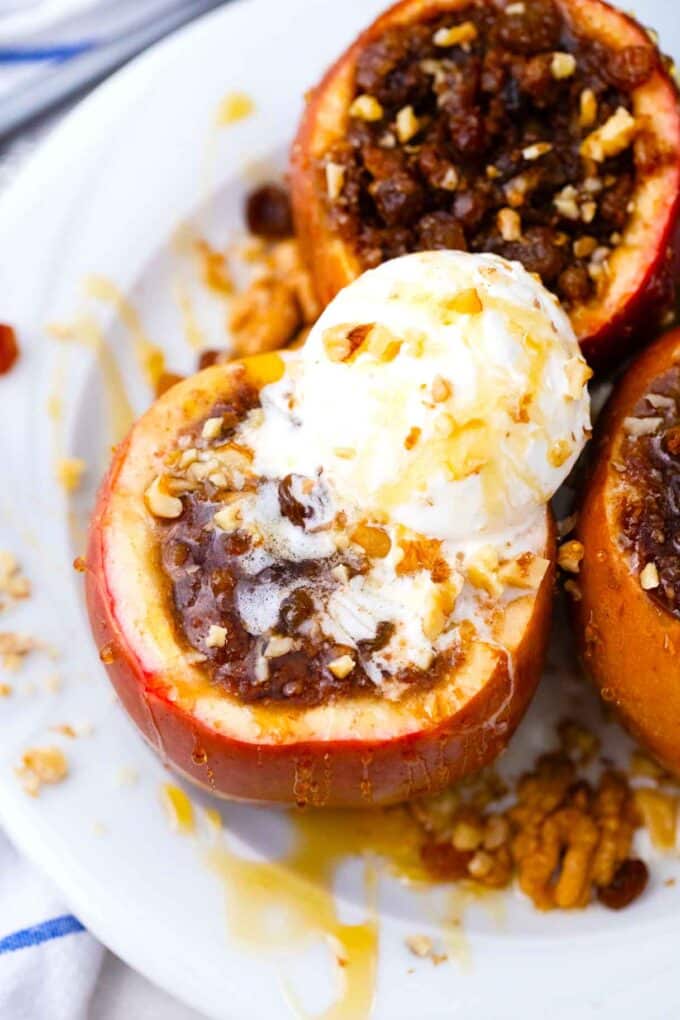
(350, 773)
(333, 264)
(629, 644)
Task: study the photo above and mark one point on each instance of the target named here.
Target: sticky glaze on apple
(650, 514)
(497, 130)
(222, 584)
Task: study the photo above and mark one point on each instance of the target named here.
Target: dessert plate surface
(104, 211)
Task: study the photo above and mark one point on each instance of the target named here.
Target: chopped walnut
(13, 585)
(649, 577)
(278, 646)
(264, 317)
(642, 426)
(160, 502)
(419, 945)
(562, 65)
(41, 766)
(659, 811)
(457, 35)
(566, 204)
(366, 108)
(407, 123)
(216, 637)
(342, 666)
(335, 180)
(525, 571)
(613, 137)
(588, 108)
(536, 150)
(569, 556)
(482, 570)
(509, 224)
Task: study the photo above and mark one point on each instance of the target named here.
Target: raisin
(208, 358)
(382, 163)
(468, 132)
(237, 543)
(630, 67)
(222, 581)
(532, 27)
(268, 212)
(383, 635)
(441, 230)
(629, 882)
(614, 202)
(574, 283)
(539, 253)
(437, 170)
(399, 199)
(295, 609)
(296, 512)
(536, 79)
(469, 207)
(9, 348)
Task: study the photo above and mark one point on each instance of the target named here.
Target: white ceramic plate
(106, 195)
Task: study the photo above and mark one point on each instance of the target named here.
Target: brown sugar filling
(650, 512)
(466, 133)
(207, 568)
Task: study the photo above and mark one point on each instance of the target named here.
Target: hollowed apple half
(643, 266)
(628, 641)
(353, 751)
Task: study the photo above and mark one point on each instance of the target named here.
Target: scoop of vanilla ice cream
(444, 389)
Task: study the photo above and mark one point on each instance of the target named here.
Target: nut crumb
(70, 471)
(457, 35)
(419, 945)
(562, 65)
(14, 648)
(366, 108)
(13, 585)
(41, 766)
(569, 556)
(342, 666)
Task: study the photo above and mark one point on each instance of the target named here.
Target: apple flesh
(356, 751)
(628, 641)
(644, 265)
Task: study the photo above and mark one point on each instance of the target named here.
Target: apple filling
(494, 129)
(283, 592)
(650, 508)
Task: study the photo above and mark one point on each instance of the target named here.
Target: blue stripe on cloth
(55, 928)
(38, 54)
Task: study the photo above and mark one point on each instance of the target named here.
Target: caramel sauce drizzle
(149, 356)
(289, 902)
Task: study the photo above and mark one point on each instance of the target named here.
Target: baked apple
(325, 576)
(547, 131)
(628, 616)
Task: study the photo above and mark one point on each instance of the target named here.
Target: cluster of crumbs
(276, 305)
(41, 766)
(565, 839)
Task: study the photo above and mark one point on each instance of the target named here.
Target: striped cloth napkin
(48, 963)
(50, 49)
